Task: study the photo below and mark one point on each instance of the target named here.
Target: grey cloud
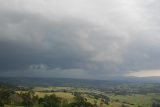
(65, 44)
(95, 43)
(142, 55)
(41, 41)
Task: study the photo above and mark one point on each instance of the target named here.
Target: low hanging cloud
(147, 73)
(81, 39)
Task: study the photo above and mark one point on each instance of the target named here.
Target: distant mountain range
(77, 82)
(154, 79)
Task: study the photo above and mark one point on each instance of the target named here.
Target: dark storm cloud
(35, 40)
(81, 39)
(28, 40)
(142, 55)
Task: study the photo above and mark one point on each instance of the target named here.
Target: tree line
(30, 99)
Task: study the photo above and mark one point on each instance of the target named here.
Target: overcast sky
(95, 39)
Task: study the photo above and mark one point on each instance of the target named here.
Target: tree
(28, 98)
(50, 101)
(155, 105)
(81, 102)
(5, 96)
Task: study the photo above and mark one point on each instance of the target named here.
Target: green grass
(137, 99)
(133, 100)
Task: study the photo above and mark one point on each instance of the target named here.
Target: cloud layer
(78, 38)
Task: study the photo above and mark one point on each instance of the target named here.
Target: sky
(93, 39)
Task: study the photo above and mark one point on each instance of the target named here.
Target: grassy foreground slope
(94, 96)
(83, 92)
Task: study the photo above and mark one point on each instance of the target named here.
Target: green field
(116, 96)
(66, 93)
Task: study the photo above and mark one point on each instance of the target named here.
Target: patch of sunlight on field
(42, 89)
(146, 100)
(60, 88)
(83, 90)
(42, 94)
(12, 106)
(21, 92)
(65, 95)
(119, 104)
(51, 88)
